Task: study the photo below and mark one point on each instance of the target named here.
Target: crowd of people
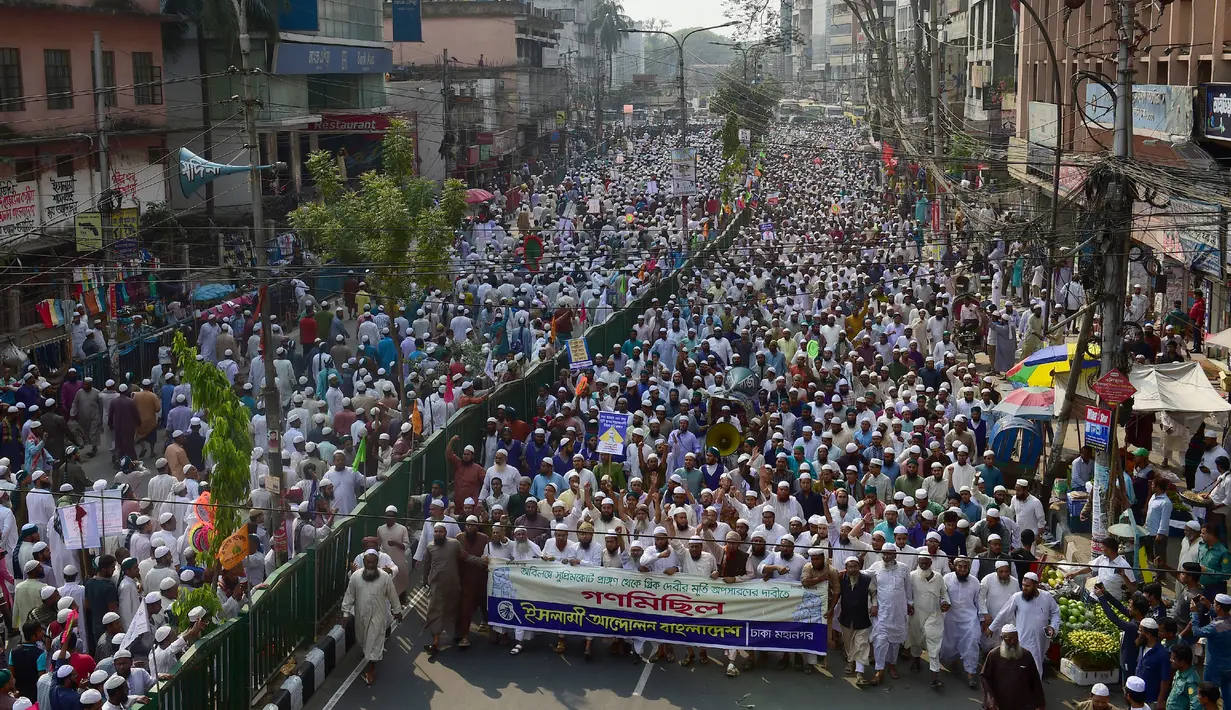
(824, 336)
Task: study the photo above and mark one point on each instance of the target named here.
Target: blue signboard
(1159, 110)
(407, 21)
(298, 16)
(302, 58)
(1218, 111)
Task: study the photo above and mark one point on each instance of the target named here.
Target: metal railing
(232, 665)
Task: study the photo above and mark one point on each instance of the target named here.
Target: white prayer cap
(22, 704)
(934, 536)
(152, 598)
(1135, 684)
(1149, 623)
(196, 613)
(143, 520)
(46, 592)
(161, 550)
(162, 633)
(1022, 483)
(187, 576)
(98, 676)
(1008, 629)
(993, 513)
(1100, 690)
(110, 618)
(660, 530)
(440, 525)
(65, 670)
(167, 583)
(1222, 599)
(889, 547)
(993, 536)
(438, 503)
(91, 696)
(116, 680)
(1031, 576)
(1001, 563)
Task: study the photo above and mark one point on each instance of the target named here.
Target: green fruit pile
(1052, 577)
(1076, 615)
(1091, 650)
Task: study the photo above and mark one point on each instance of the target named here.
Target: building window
(64, 166)
(26, 169)
(108, 77)
(10, 80)
(147, 80)
(57, 64)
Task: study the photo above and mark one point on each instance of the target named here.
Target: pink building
(504, 102)
(49, 160)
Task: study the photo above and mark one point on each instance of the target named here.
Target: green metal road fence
(231, 666)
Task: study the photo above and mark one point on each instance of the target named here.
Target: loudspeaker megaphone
(724, 437)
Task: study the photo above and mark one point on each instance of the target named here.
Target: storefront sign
(352, 123)
(1098, 428)
(89, 231)
(1159, 111)
(1184, 230)
(691, 611)
(1044, 127)
(407, 21)
(300, 16)
(302, 58)
(683, 172)
(1218, 111)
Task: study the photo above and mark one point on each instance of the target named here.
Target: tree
(395, 223)
(606, 26)
(753, 103)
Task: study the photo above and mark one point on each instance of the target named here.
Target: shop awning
(1180, 387)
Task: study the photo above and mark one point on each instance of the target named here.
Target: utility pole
(1117, 240)
(445, 94)
(938, 147)
(105, 200)
(273, 404)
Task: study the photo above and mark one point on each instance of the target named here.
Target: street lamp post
(679, 46)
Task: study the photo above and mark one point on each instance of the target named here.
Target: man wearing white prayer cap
(895, 601)
(1036, 615)
(963, 622)
(1135, 692)
(927, 622)
(1010, 676)
(370, 597)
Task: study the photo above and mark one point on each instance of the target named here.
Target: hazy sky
(678, 13)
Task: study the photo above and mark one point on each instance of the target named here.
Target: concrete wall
(423, 98)
(33, 30)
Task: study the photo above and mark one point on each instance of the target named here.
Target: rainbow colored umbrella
(1028, 403)
(1039, 369)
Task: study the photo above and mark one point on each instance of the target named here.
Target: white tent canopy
(1175, 387)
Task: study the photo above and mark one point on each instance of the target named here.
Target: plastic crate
(1078, 676)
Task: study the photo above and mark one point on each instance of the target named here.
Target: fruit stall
(1089, 642)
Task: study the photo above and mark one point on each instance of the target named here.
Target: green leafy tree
(394, 221)
(753, 104)
(606, 27)
(734, 157)
(229, 445)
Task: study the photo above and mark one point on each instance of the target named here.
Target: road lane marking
(645, 677)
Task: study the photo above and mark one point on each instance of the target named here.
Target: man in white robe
(1036, 616)
(996, 589)
(896, 603)
(369, 596)
(964, 622)
(927, 624)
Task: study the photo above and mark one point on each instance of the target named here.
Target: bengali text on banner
(604, 602)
